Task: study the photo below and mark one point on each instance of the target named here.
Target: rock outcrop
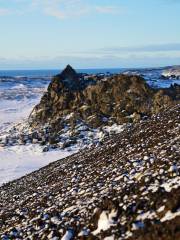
(96, 100)
(128, 188)
(79, 110)
(172, 72)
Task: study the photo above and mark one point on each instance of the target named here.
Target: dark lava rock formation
(128, 188)
(97, 99)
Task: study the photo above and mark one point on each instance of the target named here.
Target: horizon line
(88, 68)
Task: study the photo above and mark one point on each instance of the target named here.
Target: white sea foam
(13, 111)
(19, 160)
(16, 102)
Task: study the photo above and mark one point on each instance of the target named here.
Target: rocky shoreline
(172, 73)
(81, 110)
(127, 188)
(97, 99)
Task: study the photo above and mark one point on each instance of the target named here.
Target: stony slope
(128, 188)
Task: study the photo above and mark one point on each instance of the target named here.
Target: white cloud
(151, 48)
(63, 9)
(108, 9)
(4, 11)
(133, 60)
(60, 9)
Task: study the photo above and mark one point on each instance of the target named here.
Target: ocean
(52, 72)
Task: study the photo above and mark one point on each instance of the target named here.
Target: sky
(49, 34)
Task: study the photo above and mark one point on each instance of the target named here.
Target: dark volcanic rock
(128, 188)
(68, 78)
(120, 98)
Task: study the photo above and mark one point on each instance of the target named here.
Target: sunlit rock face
(97, 99)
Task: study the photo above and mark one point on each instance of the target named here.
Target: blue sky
(89, 33)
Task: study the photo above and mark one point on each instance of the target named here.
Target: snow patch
(169, 215)
(68, 235)
(106, 220)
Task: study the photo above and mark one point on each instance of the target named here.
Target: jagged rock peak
(68, 79)
(69, 72)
